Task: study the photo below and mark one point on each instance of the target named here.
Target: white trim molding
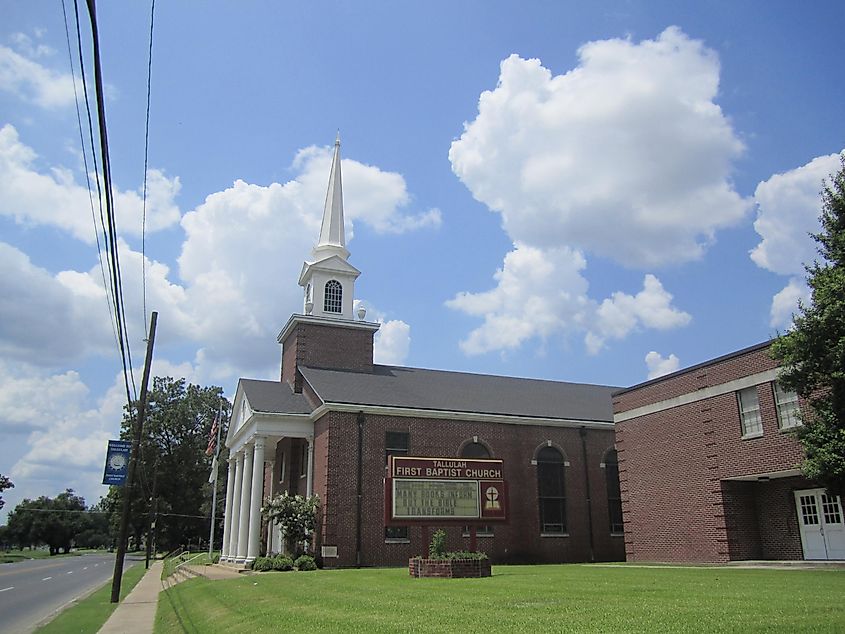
(699, 395)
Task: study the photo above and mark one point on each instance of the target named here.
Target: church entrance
(821, 520)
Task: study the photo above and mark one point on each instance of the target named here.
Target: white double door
(821, 520)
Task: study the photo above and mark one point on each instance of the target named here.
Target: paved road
(32, 590)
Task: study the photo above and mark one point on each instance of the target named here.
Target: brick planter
(451, 568)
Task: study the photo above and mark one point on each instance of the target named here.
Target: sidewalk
(137, 612)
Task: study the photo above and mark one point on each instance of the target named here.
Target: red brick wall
(696, 378)
(673, 466)
(518, 540)
(779, 532)
(325, 346)
(741, 523)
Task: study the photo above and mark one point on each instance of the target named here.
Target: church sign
(437, 490)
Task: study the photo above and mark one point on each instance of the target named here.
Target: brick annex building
(330, 422)
(710, 473)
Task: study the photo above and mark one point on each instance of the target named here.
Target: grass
(573, 598)
(89, 614)
(197, 558)
(12, 556)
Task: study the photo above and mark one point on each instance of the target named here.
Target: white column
(243, 525)
(236, 506)
(227, 513)
(256, 499)
(309, 482)
(270, 529)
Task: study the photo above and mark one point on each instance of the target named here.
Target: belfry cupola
(328, 280)
(326, 334)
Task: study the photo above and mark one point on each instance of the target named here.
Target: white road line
(70, 572)
(9, 588)
(46, 578)
(85, 568)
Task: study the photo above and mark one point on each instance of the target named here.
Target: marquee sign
(439, 490)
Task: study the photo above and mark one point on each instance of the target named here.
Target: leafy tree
(54, 522)
(5, 483)
(173, 459)
(813, 352)
(296, 515)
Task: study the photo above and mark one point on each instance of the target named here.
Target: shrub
(466, 554)
(262, 564)
(305, 562)
(282, 563)
(215, 559)
(437, 548)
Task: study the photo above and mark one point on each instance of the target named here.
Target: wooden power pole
(133, 461)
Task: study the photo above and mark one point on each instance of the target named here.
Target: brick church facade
(700, 463)
(328, 425)
(710, 472)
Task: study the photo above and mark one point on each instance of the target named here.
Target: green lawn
(572, 598)
(89, 614)
(11, 556)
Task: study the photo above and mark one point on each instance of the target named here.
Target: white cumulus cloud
(30, 81)
(621, 313)
(788, 209)
(392, 341)
(627, 155)
(658, 365)
(52, 197)
(785, 302)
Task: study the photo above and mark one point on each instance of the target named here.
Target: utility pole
(152, 518)
(133, 461)
(213, 480)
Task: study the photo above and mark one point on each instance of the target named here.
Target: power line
(146, 155)
(85, 164)
(114, 257)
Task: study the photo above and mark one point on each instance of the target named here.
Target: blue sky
(592, 192)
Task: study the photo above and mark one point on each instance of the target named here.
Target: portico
(252, 440)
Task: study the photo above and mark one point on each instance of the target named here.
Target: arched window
(551, 491)
(614, 493)
(477, 451)
(333, 298)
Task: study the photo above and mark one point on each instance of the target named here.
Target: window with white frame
(789, 415)
(749, 412)
(333, 298)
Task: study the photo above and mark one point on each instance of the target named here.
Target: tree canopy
(5, 483)
(55, 522)
(173, 460)
(813, 352)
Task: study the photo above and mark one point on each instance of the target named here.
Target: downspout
(583, 433)
(360, 486)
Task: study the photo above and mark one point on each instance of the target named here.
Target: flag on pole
(212, 477)
(212, 439)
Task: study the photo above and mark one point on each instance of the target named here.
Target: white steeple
(329, 280)
(332, 234)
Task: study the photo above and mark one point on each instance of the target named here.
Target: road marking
(9, 588)
(85, 568)
(46, 578)
(70, 572)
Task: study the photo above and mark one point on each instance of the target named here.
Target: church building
(710, 471)
(330, 422)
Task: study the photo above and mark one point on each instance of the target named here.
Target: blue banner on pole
(117, 462)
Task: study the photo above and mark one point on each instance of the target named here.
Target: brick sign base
(449, 568)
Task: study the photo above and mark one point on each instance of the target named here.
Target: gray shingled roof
(274, 396)
(461, 392)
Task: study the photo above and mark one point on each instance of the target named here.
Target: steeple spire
(332, 233)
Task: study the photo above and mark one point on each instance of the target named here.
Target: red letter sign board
(444, 490)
